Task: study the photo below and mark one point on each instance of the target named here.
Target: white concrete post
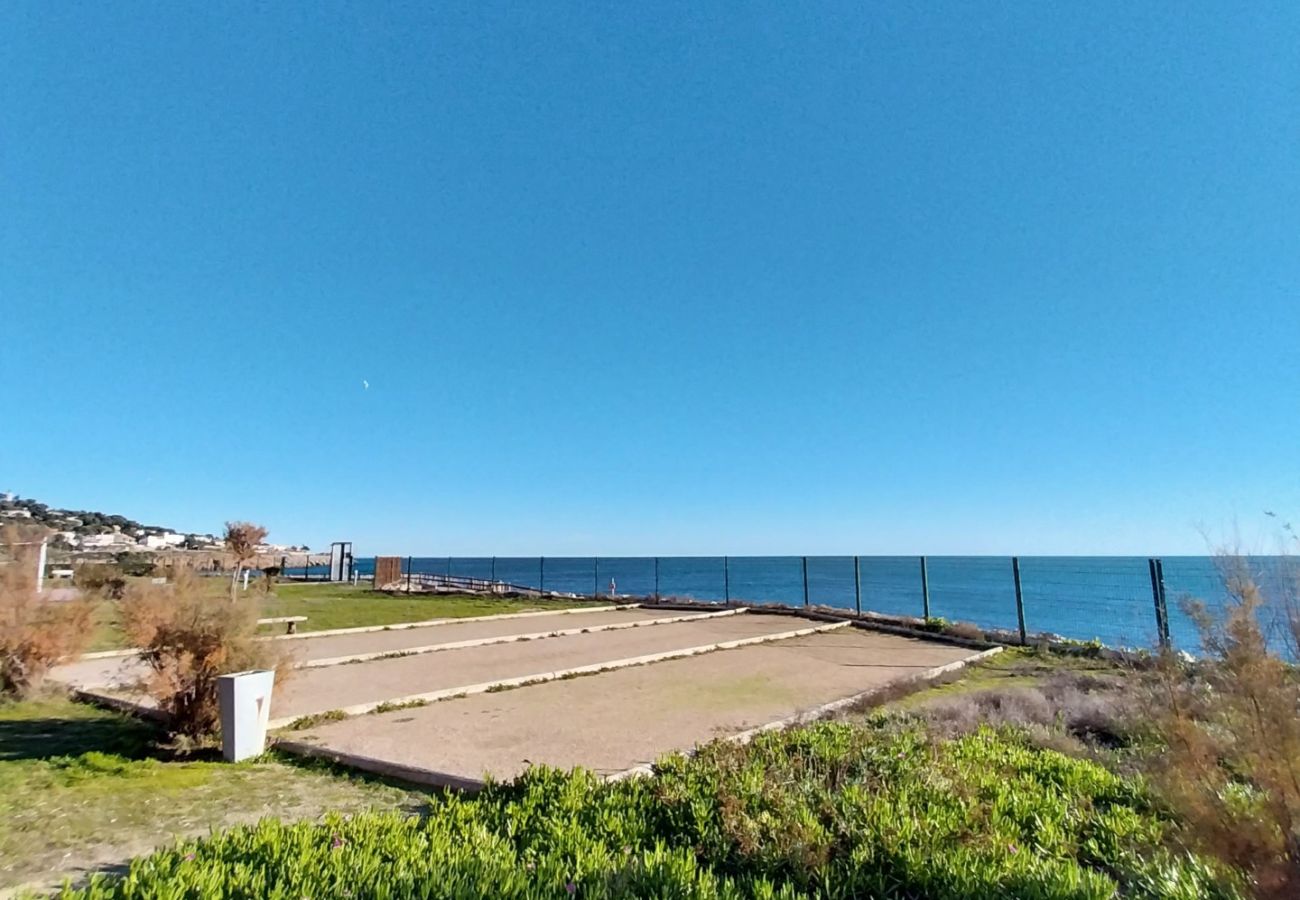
(40, 566)
(245, 579)
(245, 710)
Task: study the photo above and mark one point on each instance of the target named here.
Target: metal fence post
(449, 567)
(494, 568)
(541, 574)
(1164, 603)
(857, 587)
(1155, 597)
(1020, 599)
(595, 576)
(408, 574)
(1158, 596)
(805, 581)
(726, 580)
(656, 578)
(925, 588)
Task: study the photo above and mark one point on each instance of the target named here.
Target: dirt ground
(617, 720)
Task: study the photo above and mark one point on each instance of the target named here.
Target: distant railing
(432, 581)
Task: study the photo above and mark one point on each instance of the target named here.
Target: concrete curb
(542, 677)
(818, 712)
(398, 626)
(506, 639)
(412, 774)
(118, 704)
(107, 654)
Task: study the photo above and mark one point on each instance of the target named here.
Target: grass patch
(388, 706)
(302, 723)
(328, 606)
(83, 788)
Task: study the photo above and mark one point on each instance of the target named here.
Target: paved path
(617, 720)
(319, 690)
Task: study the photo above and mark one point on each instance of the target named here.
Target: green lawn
(82, 789)
(344, 606)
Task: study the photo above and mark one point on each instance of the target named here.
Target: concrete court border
(483, 687)
(438, 779)
(510, 639)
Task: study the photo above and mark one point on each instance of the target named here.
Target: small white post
(245, 699)
(245, 579)
(40, 566)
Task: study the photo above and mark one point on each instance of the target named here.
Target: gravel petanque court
(453, 701)
(615, 721)
(318, 690)
(306, 647)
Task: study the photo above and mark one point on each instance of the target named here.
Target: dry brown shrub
(100, 578)
(1231, 724)
(241, 540)
(968, 630)
(35, 631)
(190, 638)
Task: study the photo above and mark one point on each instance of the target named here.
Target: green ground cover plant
(835, 810)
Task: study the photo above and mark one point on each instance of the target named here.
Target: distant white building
(106, 541)
(15, 513)
(161, 541)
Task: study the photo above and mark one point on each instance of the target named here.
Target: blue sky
(656, 278)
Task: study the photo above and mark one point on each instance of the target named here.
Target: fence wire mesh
(1111, 599)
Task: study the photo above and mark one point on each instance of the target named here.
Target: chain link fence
(1120, 601)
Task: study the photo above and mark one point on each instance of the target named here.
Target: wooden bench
(290, 622)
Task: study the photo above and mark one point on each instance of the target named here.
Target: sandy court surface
(336, 687)
(617, 720)
(329, 646)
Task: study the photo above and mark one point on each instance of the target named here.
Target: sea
(1084, 598)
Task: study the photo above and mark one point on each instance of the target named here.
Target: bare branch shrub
(190, 638)
(100, 578)
(35, 632)
(1231, 723)
(241, 540)
(1072, 712)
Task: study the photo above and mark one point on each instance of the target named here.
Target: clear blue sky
(656, 278)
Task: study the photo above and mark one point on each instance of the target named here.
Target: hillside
(85, 529)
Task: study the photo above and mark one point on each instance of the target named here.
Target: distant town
(96, 532)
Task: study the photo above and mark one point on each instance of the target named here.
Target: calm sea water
(1081, 597)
